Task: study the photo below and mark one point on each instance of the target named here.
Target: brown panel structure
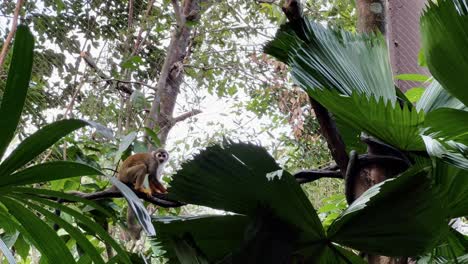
(403, 37)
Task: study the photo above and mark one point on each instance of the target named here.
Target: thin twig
(184, 116)
(12, 32)
(292, 10)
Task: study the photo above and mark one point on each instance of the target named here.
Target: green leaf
(449, 124)
(421, 58)
(415, 93)
(454, 244)
(22, 247)
(38, 232)
(35, 144)
(91, 224)
(336, 60)
(444, 31)
(61, 195)
(454, 186)
(413, 77)
(47, 172)
(124, 145)
(435, 97)
(243, 178)
(137, 206)
(16, 86)
(391, 124)
(154, 137)
(132, 63)
(455, 154)
(419, 207)
(74, 232)
(7, 253)
(215, 236)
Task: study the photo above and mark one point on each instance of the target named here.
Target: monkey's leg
(140, 172)
(156, 186)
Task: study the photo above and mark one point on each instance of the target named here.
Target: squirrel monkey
(135, 168)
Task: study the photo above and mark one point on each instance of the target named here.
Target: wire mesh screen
(404, 38)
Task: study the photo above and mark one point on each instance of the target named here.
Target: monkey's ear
(153, 153)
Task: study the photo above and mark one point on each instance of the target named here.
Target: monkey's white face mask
(162, 157)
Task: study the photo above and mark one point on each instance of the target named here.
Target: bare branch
(306, 176)
(184, 116)
(12, 32)
(92, 64)
(180, 20)
(130, 82)
(157, 199)
(139, 40)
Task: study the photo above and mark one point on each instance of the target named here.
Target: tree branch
(306, 176)
(180, 20)
(12, 32)
(92, 64)
(157, 199)
(184, 116)
(328, 129)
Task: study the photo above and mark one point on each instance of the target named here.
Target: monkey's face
(162, 156)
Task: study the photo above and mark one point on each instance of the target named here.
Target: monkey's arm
(156, 186)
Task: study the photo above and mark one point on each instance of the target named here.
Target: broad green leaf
(22, 247)
(415, 93)
(39, 232)
(453, 245)
(448, 124)
(391, 124)
(47, 172)
(435, 97)
(243, 178)
(406, 211)
(137, 206)
(91, 224)
(216, 235)
(444, 31)
(16, 86)
(454, 186)
(124, 145)
(329, 254)
(336, 60)
(37, 143)
(413, 77)
(60, 195)
(455, 154)
(7, 253)
(74, 232)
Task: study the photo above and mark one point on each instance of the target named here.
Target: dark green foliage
(23, 208)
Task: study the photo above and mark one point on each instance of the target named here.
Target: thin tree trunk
(371, 15)
(171, 76)
(14, 25)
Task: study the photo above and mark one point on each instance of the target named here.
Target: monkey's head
(161, 155)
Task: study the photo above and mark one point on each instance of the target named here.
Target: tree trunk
(371, 15)
(171, 76)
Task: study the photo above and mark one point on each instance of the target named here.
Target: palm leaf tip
(336, 60)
